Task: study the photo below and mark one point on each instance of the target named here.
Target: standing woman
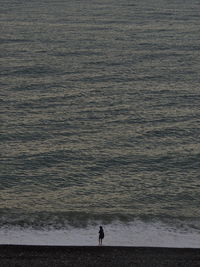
(101, 235)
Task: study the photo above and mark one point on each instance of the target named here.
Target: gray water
(100, 113)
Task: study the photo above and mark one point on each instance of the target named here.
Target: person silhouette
(101, 235)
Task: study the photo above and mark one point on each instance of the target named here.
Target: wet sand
(20, 256)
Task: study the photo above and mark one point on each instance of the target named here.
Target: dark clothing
(101, 234)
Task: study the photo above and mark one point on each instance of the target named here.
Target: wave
(64, 220)
(137, 233)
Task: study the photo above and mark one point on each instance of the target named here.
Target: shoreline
(34, 255)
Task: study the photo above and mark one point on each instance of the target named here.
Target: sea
(100, 122)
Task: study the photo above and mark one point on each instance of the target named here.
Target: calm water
(100, 116)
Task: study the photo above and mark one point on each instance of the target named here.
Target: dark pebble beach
(20, 256)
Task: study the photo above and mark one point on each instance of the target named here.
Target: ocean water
(100, 122)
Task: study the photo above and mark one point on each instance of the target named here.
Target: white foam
(116, 234)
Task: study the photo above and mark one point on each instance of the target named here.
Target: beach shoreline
(26, 255)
